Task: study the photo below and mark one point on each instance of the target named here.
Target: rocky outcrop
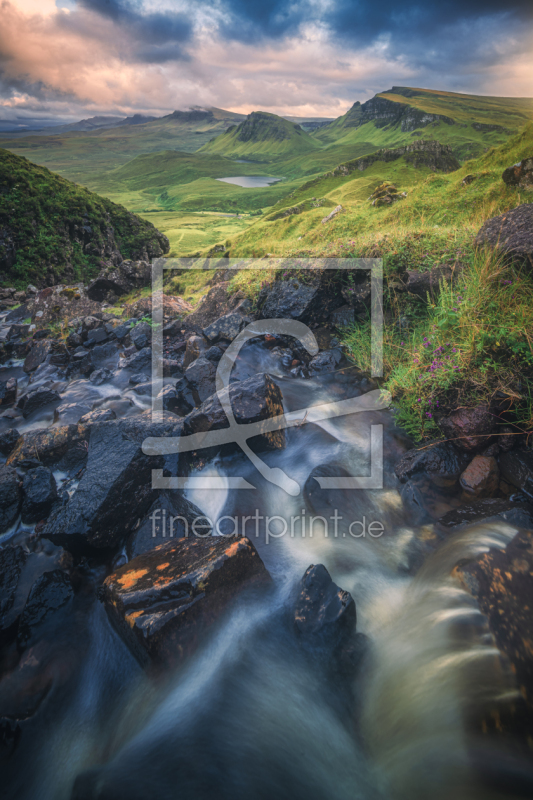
(511, 234)
(384, 112)
(116, 281)
(385, 195)
(163, 602)
(438, 157)
(520, 175)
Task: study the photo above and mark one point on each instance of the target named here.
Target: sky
(63, 60)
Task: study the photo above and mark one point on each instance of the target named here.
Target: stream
(248, 717)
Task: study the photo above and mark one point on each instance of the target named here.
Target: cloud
(301, 57)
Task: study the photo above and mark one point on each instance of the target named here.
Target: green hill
(52, 230)
(263, 137)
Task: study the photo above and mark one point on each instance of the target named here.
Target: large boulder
(511, 234)
(520, 175)
(289, 300)
(253, 400)
(40, 493)
(226, 327)
(442, 463)
(324, 614)
(468, 428)
(162, 602)
(37, 399)
(48, 446)
(171, 516)
(37, 355)
(120, 280)
(115, 490)
(10, 497)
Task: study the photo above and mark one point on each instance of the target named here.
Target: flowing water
(249, 717)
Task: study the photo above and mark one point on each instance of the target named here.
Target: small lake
(250, 181)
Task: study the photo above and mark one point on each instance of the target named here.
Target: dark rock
(359, 297)
(115, 490)
(511, 234)
(200, 376)
(501, 580)
(289, 300)
(140, 361)
(481, 478)
(520, 514)
(37, 355)
(162, 602)
(8, 392)
(8, 440)
(99, 415)
(104, 356)
(468, 428)
(36, 400)
(170, 398)
(196, 346)
(255, 399)
(121, 331)
(100, 376)
(49, 593)
(171, 368)
(40, 493)
(517, 468)
(326, 361)
(141, 335)
(324, 615)
(442, 463)
(68, 413)
(123, 279)
(12, 562)
(520, 175)
(343, 316)
(143, 389)
(226, 327)
(139, 377)
(48, 446)
(74, 339)
(468, 179)
(96, 336)
(10, 497)
(214, 354)
(427, 283)
(171, 516)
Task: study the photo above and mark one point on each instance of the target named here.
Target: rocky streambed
(202, 640)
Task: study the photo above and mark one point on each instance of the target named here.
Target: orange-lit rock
(163, 601)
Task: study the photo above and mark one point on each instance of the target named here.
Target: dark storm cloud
(160, 34)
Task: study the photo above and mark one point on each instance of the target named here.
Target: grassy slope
(45, 215)
(263, 137)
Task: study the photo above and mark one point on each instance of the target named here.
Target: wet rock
(122, 330)
(115, 490)
(170, 398)
(481, 478)
(501, 580)
(99, 415)
(104, 356)
(68, 413)
(171, 368)
(40, 493)
(60, 355)
(120, 280)
(12, 562)
(253, 400)
(51, 592)
(8, 392)
(162, 602)
(200, 376)
(511, 234)
(442, 463)
(139, 377)
(48, 446)
(143, 389)
(8, 440)
(100, 376)
(326, 361)
(37, 355)
(324, 615)
(196, 346)
(289, 300)
(226, 327)
(37, 400)
(74, 339)
(520, 175)
(10, 497)
(517, 469)
(141, 335)
(427, 283)
(140, 361)
(171, 516)
(213, 354)
(97, 336)
(468, 428)
(520, 514)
